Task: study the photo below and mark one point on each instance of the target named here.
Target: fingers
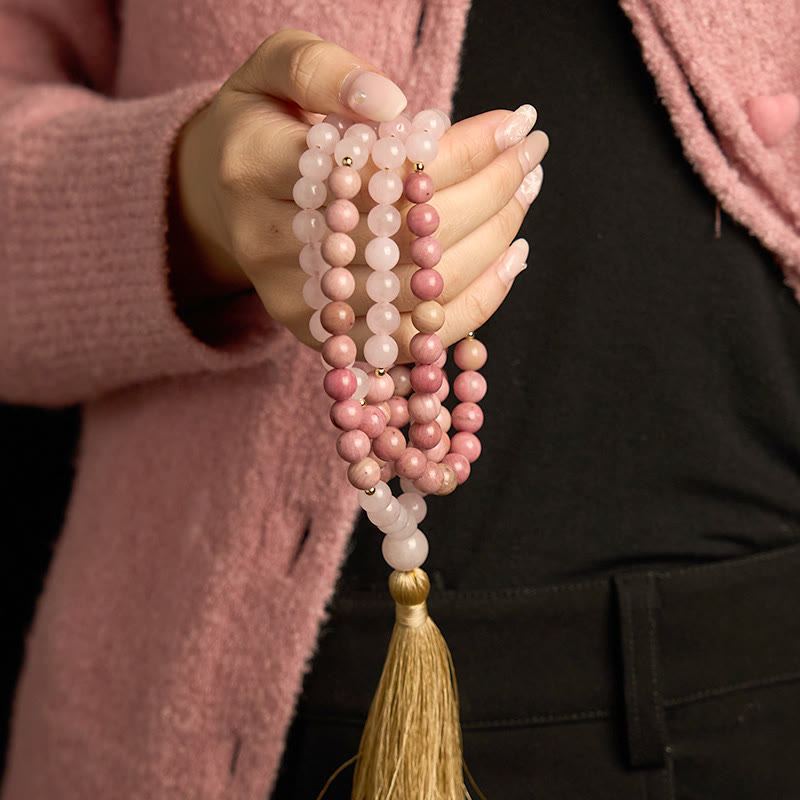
(318, 76)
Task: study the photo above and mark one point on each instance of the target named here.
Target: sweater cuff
(85, 304)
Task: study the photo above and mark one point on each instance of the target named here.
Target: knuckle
(306, 63)
(233, 168)
(478, 307)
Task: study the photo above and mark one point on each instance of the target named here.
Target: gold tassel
(411, 746)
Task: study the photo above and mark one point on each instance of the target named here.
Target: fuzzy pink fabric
(210, 512)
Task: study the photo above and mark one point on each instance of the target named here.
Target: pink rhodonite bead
(426, 378)
(381, 387)
(470, 386)
(426, 252)
(352, 446)
(364, 474)
(460, 465)
(390, 444)
(431, 479)
(411, 464)
(339, 384)
(466, 444)
(467, 417)
(346, 414)
(423, 407)
(339, 351)
(373, 421)
(425, 435)
(398, 407)
(470, 354)
(422, 219)
(418, 187)
(401, 377)
(427, 284)
(338, 283)
(426, 348)
(338, 249)
(341, 216)
(344, 183)
(440, 450)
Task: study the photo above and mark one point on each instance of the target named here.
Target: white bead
(312, 293)
(389, 153)
(383, 318)
(309, 192)
(363, 133)
(383, 287)
(324, 136)
(385, 187)
(380, 351)
(414, 504)
(384, 220)
(316, 164)
(308, 225)
(381, 253)
(315, 326)
(405, 554)
(408, 487)
(339, 121)
(386, 516)
(400, 524)
(428, 121)
(363, 383)
(421, 147)
(351, 148)
(311, 260)
(402, 533)
(399, 127)
(379, 500)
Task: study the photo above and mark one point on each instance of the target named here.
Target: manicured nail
(533, 150)
(530, 186)
(372, 96)
(513, 129)
(513, 262)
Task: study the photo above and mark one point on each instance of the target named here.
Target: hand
(236, 164)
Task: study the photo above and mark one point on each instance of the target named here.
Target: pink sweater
(210, 512)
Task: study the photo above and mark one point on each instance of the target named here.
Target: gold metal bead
(347, 161)
(380, 372)
(363, 401)
(419, 166)
(471, 335)
(370, 492)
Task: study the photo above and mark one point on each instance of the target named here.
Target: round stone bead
(467, 445)
(339, 121)
(442, 360)
(439, 450)
(460, 466)
(363, 133)
(346, 414)
(313, 294)
(431, 479)
(421, 147)
(426, 252)
(381, 253)
(425, 436)
(428, 316)
(470, 386)
(339, 384)
(423, 407)
(315, 326)
(449, 480)
(363, 383)
(408, 487)
(337, 317)
(387, 472)
(401, 377)
(399, 127)
(445, 119)
(385, 187)
(380, 351)
(309, 192)
(384, 220)
(308, 225)
(373, 422)
(324, 136)
(389, 153)
(341, 215)
(403, 527)
(414, 504)
(411, 463)
(422, 219)
(338, 249)
(353, 149)
(311, 260)
(353, 445)
(378, 500)
(427, 284)
(444, 419)
(398, 407)
(344, 183)
(418, 187)
(405, 554)
(429, 121)
(470, 354)
(426, 348)
(381, 388)
(383, 318)
(467, 417)
(444, 389)
(383, 287)
(386, 516)
(339, 351)
(364, 474)
(387, 411)
(338, 283)
(426, 378)
(389, 444)
(315, 164)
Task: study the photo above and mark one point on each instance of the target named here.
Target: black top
(644, 378)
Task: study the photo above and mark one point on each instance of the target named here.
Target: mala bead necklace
(411, 746)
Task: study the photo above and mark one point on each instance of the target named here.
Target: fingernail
(513, 262)
(533, 150)
(513, 129)
(372, 96)
(530, 186)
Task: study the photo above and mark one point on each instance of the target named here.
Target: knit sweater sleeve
(85, 305)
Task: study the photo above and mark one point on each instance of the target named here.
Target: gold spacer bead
(362, 400)
(419, 166)
(471, 335)
(380, 372)
(347, 161)
(370, 492)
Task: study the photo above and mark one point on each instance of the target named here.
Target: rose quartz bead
(405, 526)
(418, 187)
(339, 384)
(337, 317)
(427, 284)
(324, 136)
(426, 252)
(364, 474)
(351, 148)
(381, 387)
(439, 450)
(311, 260)
(315, 326)
(363, 133)
(431, 479)
(399, 127)
(444, 419)
(315, 164)
(344, 183)
(383, 318)
(346, 414)
(339, 351)
(386, 516)
(445, 118)
(426, 348)
(427, 317)
(405, 554)
(411, 463)
(414, 504)
(399, 412)
(313, 294)
(389, 153)
(425, 436)
(309, 193)
(423, 407)
(428, 121)
(387, 472)
(308, 225)
(390, 444)
(363, 383)
(408, 487)
(383, 287)
(384, 220)
(421, 147)
(341, 216)
(422, 219)
(470, 354)
(460, 466)
(467, 417)
(426, 378)
(353, 445)
(385, 187)
(381, 351)
(373, 422)
(466, 444)
(401, 377)
(338, 283)
(338, 249)
(470, 386)
(395, 525)
(376, 501)
(444, 389)
(381, 253)
(449, 480)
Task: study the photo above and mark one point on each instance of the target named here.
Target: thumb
(318, 76)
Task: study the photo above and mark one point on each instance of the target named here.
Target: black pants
(651, 684)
